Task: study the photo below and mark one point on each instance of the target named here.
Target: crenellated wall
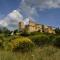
(32, 27)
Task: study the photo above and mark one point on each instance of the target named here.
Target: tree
(57, 30)
(16, 31)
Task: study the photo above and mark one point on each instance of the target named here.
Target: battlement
(32, 27)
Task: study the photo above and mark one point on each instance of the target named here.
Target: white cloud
(42, 3)
(3, 23)
(51, 4)
(28, 8)
(26, 20)
(15, 15)
(11, 20)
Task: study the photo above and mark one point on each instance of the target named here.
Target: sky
(41, 11)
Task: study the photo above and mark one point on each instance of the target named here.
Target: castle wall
(32, 27)
(39, 28)
(45, 28)
(48, 29)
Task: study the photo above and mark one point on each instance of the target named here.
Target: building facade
(34, 27)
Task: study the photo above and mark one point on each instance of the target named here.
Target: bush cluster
(40, 39)
(21, 44)
(56, 41)
(27, 41)
(26, 44)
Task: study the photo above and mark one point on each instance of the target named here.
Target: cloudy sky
(42, 11)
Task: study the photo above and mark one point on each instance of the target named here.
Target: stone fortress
(34, 27)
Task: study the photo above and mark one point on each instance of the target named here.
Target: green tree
(57, 30)
(56, 41)
(16, 31)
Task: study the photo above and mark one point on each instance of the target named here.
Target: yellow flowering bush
(21, 43)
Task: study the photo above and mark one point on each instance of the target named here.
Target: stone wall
(32, 27)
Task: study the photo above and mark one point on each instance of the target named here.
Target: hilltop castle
(34, 27)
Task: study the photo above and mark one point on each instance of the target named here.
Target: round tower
(21, 26)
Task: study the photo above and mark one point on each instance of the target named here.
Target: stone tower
(21, 26)
(32, 26)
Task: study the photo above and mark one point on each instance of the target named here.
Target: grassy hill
(30, 46)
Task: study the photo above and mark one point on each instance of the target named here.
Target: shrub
(57, 30)
(40, 39)
(35, 33)
(21, 44)
(25, 33)
(1, 43)
(51, 37)
(56, 41)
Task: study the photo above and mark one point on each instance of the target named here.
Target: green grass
(45, 52)
(38, 53)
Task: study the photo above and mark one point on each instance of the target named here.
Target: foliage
(40, 39)
(16, 31)
(35, 33)
(24, 44)
(51, 38)
(4, 31)
(57, 30)
(1, 43)
(21, 44)
(56, 41)
(44, 53)
(25, 33)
